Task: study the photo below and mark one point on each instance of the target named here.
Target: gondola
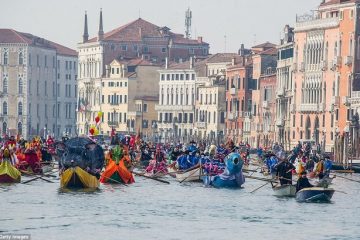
(76, 177)
(8, 173)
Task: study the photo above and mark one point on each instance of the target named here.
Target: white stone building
(285, 86)
(32, 82)
(176, 108)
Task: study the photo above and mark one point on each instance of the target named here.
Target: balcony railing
(174, 107)
(308, 22)
(113, 123)
(232, 91)
(312, 107)
(265, 104)
(201, 125)
(280, 122)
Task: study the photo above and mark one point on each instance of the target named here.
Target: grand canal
(153, 210)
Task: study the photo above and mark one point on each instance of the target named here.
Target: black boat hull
(315, 194)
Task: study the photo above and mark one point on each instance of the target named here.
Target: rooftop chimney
(200, 39)
(86, 34)
(233, 61)
(101, 31)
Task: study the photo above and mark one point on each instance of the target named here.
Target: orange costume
(117, 169)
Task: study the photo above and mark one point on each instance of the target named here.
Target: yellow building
(125, 83)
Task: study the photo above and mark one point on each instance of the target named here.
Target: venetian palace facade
(325, 55)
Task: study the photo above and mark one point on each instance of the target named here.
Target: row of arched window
(5, 108)
(6, 58)
(5, 85)
(19, 128)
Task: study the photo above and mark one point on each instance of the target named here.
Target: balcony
(113, 123)
(294, 67)
(348, 60)
(174, 107)
(312, 107)
(293, 107)
(280, 92)
(311, 22)
(265, 104)
(232, 91)
(232, 116)
(302, 67)
(280, 122)
(201, 125)
(323, 65)
(247, 114)
(345, 101)
(335, 100)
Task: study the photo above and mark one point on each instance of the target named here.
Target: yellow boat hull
(8, 173)
(78, 178)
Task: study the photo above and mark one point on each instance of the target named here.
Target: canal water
(153, 210)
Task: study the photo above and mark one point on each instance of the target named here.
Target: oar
(156, 179)
(46, 180)
(348, 179)
(31, 180)
(115, 180)
(340, 191)
(261, 179)
(260, 187)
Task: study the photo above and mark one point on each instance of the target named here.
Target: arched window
(6, 58)
(20, 86)
(5, 108)
(21, 58)
(20, 128)
(20, 108)
(4, 130)
(5, 85)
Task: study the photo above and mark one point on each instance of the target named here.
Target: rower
(303, 182)
(284, 171)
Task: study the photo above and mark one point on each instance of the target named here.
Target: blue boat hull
(217, 182)
(315, 194)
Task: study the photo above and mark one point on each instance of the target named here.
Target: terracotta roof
(12, 36)
(222, 57)
(62, 50)
(265, 45)
(140, 28)
(331, 2)
(270, 51)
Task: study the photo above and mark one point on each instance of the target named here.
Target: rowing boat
(76, 177)
(286, 190)
(8, 173)
(315, 194)
(192, 175)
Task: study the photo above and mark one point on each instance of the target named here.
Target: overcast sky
(241, 21)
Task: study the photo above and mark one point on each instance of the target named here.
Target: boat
(76, 177)
(232, 177)
(286, 190)
(117, 173)
(191, 175)
(8, 173)
(315, 194)
(340, 167)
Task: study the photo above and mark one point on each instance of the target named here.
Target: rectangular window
(37, 61)
(145, 107)
(66, 65)
(29, 60)
(301, 120)
(125, 98)
(163, 50)
(37, 88)
(123, 48)
(45, 61)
